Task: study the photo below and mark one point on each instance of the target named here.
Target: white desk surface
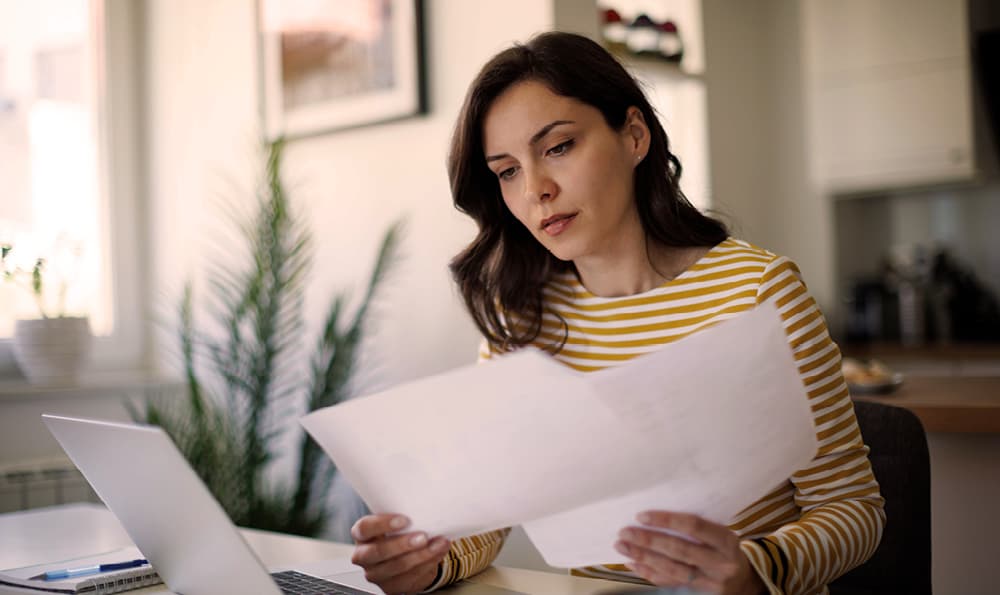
(68, 531)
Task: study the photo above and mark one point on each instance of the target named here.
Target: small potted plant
(53, 347)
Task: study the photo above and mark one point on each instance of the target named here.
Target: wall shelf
(662, 68)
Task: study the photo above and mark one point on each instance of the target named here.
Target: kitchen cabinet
(888, 93)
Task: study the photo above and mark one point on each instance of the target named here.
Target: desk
(62, 532)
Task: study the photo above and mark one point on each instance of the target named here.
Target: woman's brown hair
(502, 273)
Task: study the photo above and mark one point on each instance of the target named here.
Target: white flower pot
(52, 350)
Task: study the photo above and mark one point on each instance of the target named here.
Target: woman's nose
(539, 186)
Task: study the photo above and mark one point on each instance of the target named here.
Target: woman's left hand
(713, 562)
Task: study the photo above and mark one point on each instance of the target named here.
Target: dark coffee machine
(922, 300)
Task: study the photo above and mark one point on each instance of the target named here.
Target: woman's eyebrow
(535, 137)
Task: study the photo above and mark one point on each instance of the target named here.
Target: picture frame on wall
(330, 65)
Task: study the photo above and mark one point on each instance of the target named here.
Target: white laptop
(177, 524)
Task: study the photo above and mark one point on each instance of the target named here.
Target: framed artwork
(329, 65)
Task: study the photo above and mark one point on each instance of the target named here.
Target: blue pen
(54, 575)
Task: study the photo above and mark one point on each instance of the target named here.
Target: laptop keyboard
(296, 583)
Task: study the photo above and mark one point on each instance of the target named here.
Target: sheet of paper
(707, 424)
(728, 416)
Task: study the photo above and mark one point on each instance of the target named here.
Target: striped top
(828, 517)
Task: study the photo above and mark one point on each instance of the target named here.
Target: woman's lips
(557, 224)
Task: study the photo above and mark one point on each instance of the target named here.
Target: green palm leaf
(229, 432)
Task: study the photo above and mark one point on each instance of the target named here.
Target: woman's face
(564, 173)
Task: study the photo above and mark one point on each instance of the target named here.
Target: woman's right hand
(400, 562)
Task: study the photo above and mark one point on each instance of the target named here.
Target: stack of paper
(707, 425)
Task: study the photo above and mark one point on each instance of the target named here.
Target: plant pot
(52, 350)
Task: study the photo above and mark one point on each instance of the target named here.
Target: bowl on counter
(870, 377)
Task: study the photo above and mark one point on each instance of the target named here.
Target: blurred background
(858, 137)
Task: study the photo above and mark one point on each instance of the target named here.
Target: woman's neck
(636, 270)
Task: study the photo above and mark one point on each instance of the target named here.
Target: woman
(588, 248)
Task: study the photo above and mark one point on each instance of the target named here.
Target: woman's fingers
(714, 535)
(677, 575)
(644, 543)
(407, 566)
(374, 526)
(684, 549)
(396, 562)
(376, 551)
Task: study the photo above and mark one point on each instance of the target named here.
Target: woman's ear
(636, 134)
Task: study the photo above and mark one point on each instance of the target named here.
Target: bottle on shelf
(613, 30)
(671, 46)
(642, 37)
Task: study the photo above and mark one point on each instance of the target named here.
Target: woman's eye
(560, 148)
(507, 173)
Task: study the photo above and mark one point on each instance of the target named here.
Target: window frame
(120, 175)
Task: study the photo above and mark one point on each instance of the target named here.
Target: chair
(901, 463)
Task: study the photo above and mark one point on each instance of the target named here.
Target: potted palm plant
(242, 382)
(53, 347)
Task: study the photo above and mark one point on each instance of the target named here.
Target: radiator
(47, 482)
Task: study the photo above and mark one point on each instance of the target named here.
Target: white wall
(757, 136)
(739, 97)
(965, 489)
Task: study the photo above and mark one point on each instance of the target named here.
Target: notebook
(97, 584)
(177, 524)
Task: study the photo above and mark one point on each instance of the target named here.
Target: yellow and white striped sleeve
(486, 352)
(469, 556)
(842, 509)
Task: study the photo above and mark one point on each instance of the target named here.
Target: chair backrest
(901, 463)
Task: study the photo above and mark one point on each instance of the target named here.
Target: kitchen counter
(953, 388)
(948, 403)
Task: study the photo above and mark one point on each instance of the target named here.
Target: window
(67, 169)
